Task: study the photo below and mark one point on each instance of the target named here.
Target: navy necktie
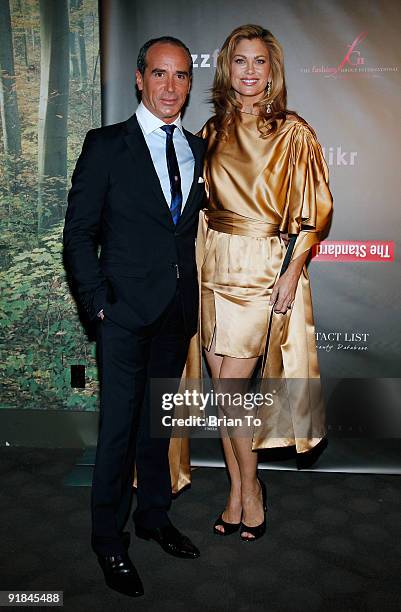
(174, 174)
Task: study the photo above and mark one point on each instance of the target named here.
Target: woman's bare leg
(251, 494)
(233, 510)
(245, 492)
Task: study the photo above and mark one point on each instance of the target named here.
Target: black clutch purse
(288, 255)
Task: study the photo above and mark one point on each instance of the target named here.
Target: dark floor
(333, 543)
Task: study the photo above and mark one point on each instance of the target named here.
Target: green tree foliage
(40, 332)
(41, 335)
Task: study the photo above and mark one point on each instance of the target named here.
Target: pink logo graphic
(353, 64)
(353, 56)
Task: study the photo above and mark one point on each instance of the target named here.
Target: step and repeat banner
(343, 63)
(343, 71)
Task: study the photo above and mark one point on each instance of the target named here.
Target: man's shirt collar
(150, 123)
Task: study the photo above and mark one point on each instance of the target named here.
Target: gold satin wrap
(242, 259)
(257, 187)
(229, 222)
(180, 466)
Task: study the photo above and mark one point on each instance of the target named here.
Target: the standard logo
(354, 250)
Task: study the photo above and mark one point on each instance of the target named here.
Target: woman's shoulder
(208, 128)
(296, 125)
(302, 140)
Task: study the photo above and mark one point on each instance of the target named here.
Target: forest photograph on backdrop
(49, 99)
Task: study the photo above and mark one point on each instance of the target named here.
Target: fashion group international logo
(353, 63)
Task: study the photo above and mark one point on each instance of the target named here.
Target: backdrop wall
(343, 66)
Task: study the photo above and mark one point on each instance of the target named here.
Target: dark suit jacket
(116, 201)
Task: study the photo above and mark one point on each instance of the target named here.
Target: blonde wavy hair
(223, 96)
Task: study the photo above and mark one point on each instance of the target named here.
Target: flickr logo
(335, 156)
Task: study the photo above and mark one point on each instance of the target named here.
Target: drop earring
(268, 105)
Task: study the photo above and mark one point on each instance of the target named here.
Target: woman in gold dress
(266, 180)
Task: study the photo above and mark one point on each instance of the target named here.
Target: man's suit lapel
(197, 153)
(144, 164)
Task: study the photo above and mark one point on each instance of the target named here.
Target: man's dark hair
(141, 61)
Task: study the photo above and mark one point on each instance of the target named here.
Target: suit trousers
(127, 363)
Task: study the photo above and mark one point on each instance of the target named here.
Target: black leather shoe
(171, 540)
(120, 574)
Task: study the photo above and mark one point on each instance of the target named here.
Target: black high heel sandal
(258, 531)
(229, 528)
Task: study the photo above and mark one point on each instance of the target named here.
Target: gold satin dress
(256, 187)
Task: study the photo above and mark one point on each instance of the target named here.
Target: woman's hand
(283, 293)
(285, 238)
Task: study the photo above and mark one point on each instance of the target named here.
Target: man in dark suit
(136, 191)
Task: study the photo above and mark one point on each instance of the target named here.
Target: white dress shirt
(156, 140)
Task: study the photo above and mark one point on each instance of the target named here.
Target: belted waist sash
(228, 222)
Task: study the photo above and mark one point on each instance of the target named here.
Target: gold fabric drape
(180, 468)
